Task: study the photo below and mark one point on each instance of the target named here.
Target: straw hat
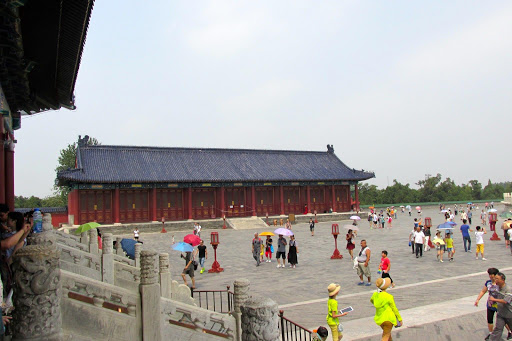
(333, 289)
(383, 283)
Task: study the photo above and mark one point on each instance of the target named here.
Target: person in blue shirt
(465, 229)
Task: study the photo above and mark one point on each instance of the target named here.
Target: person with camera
(504, 300)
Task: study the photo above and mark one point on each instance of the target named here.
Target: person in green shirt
(332, 312)
(386, 313)
(449, 246)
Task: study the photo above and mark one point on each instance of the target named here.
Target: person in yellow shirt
(449, 246)
(386, 313)
(332, 312)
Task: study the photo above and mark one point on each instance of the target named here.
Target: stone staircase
(247, 223)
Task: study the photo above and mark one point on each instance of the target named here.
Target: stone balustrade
(80, 262)
(126, 276)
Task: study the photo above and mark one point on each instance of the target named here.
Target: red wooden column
(357, 197)
(189, 203)
(9, 178)
(153, 204)
(253, 201)
(116, 206)
(308, 194)
(73, 206)
(281, 199)
(333, 199)
(2, 162)
(222, 202)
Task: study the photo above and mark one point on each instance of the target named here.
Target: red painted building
(123, 184)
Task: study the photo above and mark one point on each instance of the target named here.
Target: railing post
(37, 294)
(84, 238)
(150, 296)
(107, 258)
(119, 247)
(241, 294)
(283, 331)
(93, 241)
(138, 248)
(165, 275)
(260, 320)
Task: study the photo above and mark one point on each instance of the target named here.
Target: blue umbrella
(445, 226)
(451, 223)
(183, 247)
(128, 246)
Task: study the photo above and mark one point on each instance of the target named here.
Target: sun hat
(333, 289)
(383, 283)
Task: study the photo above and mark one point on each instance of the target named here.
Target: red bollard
(163, 226)
(215, 243)
(335, 231)
(224, 226)
(493, 218)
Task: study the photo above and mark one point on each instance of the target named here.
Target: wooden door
(203, 203)
(134, 206)
(317, 195)
(342, 198)
(234, 202)
(169, 204)
(95, 205)
(292, 200)
(265, 201)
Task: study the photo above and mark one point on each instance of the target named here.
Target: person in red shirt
(385, 266)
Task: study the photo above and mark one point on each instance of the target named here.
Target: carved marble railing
(88, 304)
(67, 236)
(80, 262)
(126, 276)
(176, 314)
(124, 260)
(64, 240)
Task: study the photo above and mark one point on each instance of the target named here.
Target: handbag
(340, 327)
(355, 263)
(272, 248)
(194, 263)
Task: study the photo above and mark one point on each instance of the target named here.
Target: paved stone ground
(301, 292)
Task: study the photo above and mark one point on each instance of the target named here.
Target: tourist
(509, 237)
(333, 314)
(312, 226)
(281, 250)
(504, 300)
(292, 252)
(385, 267)
(256, 248)
(455, 209)
(440, 246)
(382, 221)
(320, 334)
(305, 211)
(288, 224)
(4, 212)
(197, 230)
(505, 227)
(386, 313)
(465, 229)
(370, 219)
(426, 231)
(463, 216)
(491, 287)
(15, 224)
(483, 216)
(470, 216)
(419, 241)
(100, 240)
(136, 233)
(203, 254)
(479, 236)
(409, 209)
(390, 221)
(363, 264)
(189, 267)
(375, 220)
(411, 239)
(449, 245)
(350, 245)
(269, 249)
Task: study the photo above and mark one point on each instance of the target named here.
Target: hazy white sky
(402, 88)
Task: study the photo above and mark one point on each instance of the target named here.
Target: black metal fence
(220, 301)
(292, 331)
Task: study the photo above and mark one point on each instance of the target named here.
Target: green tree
(428, 191)
(476, 189)
(369, 194)
(67, 160)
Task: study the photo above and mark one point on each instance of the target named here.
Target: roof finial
(330, 149)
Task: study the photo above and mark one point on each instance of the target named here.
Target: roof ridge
(103, 146)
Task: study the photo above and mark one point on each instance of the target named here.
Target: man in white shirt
(419, 240)
(479, 234)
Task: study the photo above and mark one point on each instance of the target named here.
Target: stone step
(247, 223)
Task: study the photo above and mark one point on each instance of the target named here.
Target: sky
(401, 88)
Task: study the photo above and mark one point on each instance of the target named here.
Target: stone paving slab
(308, 282)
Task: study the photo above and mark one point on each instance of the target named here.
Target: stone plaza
(435, 299)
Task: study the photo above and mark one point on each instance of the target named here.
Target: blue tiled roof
(43, 209)
(122, 164)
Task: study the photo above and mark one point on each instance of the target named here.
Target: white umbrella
(354, 217)
(493, 210)
(283, 231)
(351, 227)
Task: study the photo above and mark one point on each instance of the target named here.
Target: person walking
(465, 229)
(483, 216)
(332, 312)
(505, 227)
(504, 300)
(203, 254)
(470, 216)
(385, 267)
(491, 287)
(269, 249)
(350, 245)
(449, 246)
(292, 252)
(136, 233)
(419, 241)
(363, 264)
(386, 313)
(281, 251)
(312, 226)
(479, 236)
(256, 248)
(189, 267)
(197, 230)
(440, 246)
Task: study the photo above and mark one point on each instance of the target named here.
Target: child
(136, 234)
(386, 313)
(382, 221)
(479, 235)
(332, 312)
(449, 246)
(385, 266)
(390, 220)
(440, 246)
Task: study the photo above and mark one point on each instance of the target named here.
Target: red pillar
(357, 198)
(222, 202)
(253, 201)
(153, 205)
(281, 198)
(308, 194)
(9, 178)
(189, 203)
(2, 162)
(116, 206)
(73, 205)
(333, 195)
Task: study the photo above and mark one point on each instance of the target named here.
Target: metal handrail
(293, 331)
(220, 301)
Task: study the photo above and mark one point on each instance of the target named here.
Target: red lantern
(493, 218)
(335, 229)
(428, 222)
(214, 237)
(335, 232)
